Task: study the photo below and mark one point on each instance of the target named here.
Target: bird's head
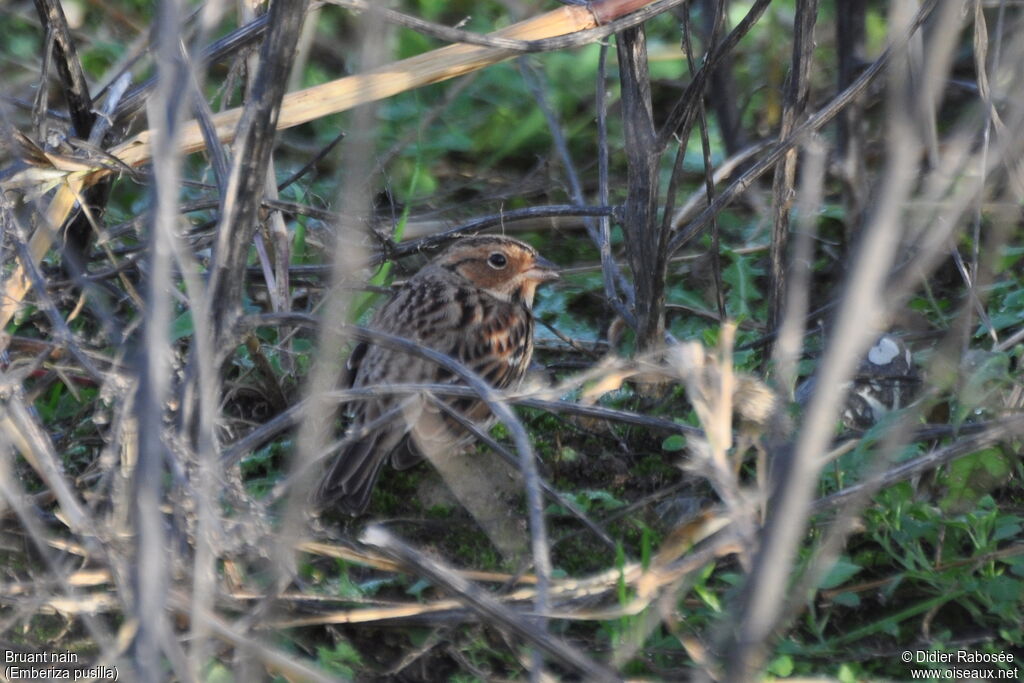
(503, 267)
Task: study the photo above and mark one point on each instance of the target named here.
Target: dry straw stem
(488, 607)
(275, 660)
(316, 102)
(873, 291)
(574, 598)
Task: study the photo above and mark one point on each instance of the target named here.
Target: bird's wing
(495, 342)
(493, 338)
(350, 477)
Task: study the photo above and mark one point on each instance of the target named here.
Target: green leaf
(1003, 589)
(847, 599)
(676, 442)
(840, 573)
(182, 326)
(709, 597)
(299, 255)
(605, 500)
(742, 291)
(218, 673)
(846, 674)
(781, 666)
(1016, 565)
(973, 476)
(341, 660)
(1008, 526)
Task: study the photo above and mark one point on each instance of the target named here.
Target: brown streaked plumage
(474, 303)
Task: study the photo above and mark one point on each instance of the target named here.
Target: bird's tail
(349, 480)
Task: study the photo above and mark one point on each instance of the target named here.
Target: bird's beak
(542, 270)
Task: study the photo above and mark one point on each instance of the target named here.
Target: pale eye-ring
(497, 260)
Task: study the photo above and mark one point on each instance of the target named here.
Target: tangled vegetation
(776, 416)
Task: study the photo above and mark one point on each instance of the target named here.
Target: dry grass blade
(486, 605)
(171, 388)
(307, 105)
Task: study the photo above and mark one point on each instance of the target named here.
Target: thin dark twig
(511, 459)
(685, 108)
(150, 573)
(435, 30)
(253, 146)
(201, 110)
(424, 121)
(850, 41)
(608, 265)
(69, 67)
(80, 106)
(60, 331)
(995, 432)
(794, 105)
(39, 110)
(238, 39)
(298, 475)
(293, 414)
(767, 339)
(311, 164)
(533, 83)
(487, 394)
(484, 222)
(645, 501)
(562, 407)
(14, 497)
(792, 327)
(535, 86)
(705, 144)
(865, 305)
(204, 115)
(609, 14)
(392, 250)
(645, 239)
(42, 93)
(485, 604)
(572, 343)
(813, 123)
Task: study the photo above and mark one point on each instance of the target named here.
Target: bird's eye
(497, 260)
